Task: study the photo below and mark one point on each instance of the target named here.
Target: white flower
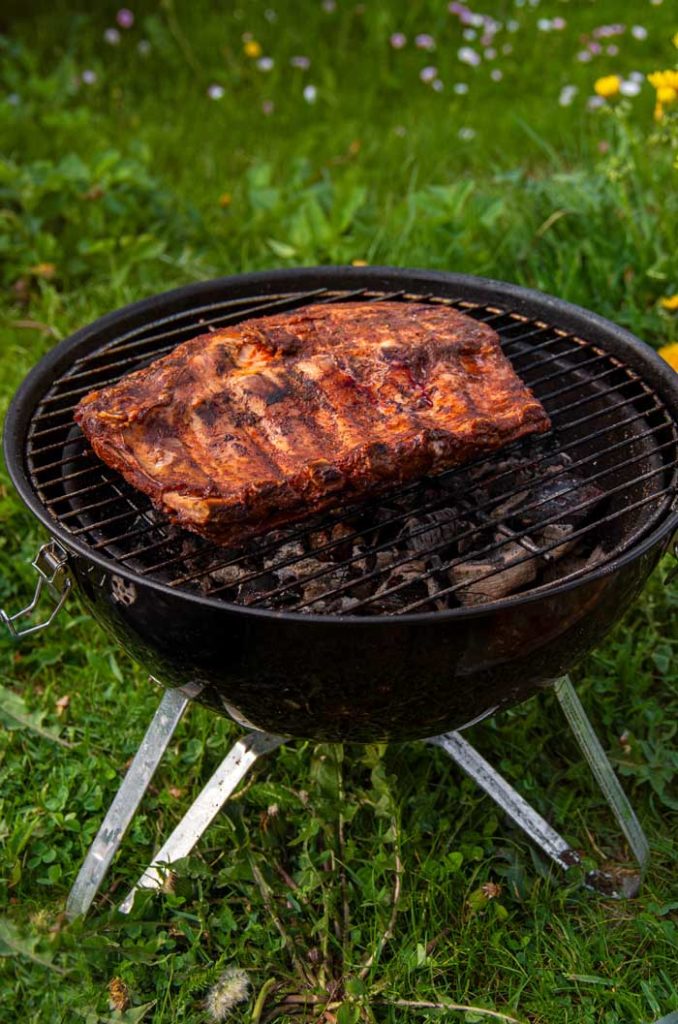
(466, 134)
(512, 25)
(469, 34)
(629, 88)
(584, 56)
(637, 76)
(265, 63)
(112, 36)
(496, 75)
(507, 48)
(612, 50)
(424, 41)
(544, 24)
(490, 53)
(270, 15)
(310, 93)
(437, 85)
(144, 47)
(461, 88)
(301, 62)
(595, 103)
(428, 74)
(469, 56)
(232, 987)
(89, 77)
(216, 92)
(14, 99)
(567, 94)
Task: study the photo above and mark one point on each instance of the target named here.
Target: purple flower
(639, 32)
(89, 77)
(469, 56)
(267, 107)
(124, 17)
(595, 48)
(496, 75)
(584, 56)
(424, 41)
(301, 62)
(490, 53)
(558, 24)
(456, 8)
(437, 85)
(612, 50)
(112, 36)
(398, 40)
(428, 74)
(216, 92)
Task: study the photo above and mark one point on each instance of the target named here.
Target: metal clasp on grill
(50, 564)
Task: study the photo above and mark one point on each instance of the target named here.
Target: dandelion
(125, 17)
(607, 86)
(112, 36)
(252, 49)
(670, 354)
(639, 32)
(89, 77)
(467, 55)
(428, 74)
(675, 40)
(310, 93)
(398, 40)
(216, 92)
(461, 88)
(232, 987)
(665, 84)
(359, 263)
(567, 95)
(424, 41)
(265, 63)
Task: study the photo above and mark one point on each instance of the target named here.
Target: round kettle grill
(410, 616)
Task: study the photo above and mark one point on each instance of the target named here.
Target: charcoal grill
(404, 617)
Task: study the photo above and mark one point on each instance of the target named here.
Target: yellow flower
(670, 302)
(252, 49)
(670, 354)
(607, 86)
(225, 199)
(359, 263)
(666, 94)
(45, 270)
(658, 112)
(663, 79)
(675, 40)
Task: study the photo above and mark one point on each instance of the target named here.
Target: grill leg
(204, 810)
(126, 802)
(532, 823)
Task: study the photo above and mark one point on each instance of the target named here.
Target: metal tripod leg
(538, 830)
(609, 784)
(205, 808)
(126, 802)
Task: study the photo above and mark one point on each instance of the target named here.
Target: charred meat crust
(276, 418)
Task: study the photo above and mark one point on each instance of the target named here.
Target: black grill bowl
(352, 677)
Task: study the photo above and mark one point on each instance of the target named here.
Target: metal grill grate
(610, 462)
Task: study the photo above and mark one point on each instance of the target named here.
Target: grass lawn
(206, 139)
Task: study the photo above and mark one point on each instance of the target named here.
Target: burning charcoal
(560, 496)
(252, 590)
(228, 575)
(444, 526)
(505, 580)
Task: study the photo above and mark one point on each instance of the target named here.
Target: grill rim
(178, 302)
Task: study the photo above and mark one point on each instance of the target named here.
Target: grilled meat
(276, 418)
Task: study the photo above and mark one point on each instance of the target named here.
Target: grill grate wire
(119, 521)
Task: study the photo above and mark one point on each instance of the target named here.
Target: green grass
(118, 186)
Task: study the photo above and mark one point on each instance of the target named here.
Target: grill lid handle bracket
(50, 563)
